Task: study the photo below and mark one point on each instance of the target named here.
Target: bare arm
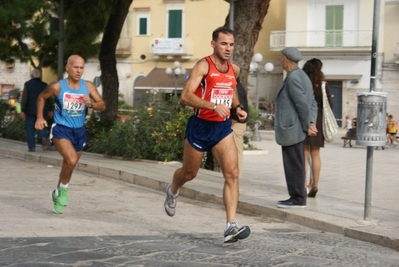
(98, 102)
(188, 95)
(53, 89)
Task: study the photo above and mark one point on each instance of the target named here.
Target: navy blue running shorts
(203, 135)
(77, 136)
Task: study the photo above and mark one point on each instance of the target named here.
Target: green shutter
(143, 26)
(334, 25)
(175, 24)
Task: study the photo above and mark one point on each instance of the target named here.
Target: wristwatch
(240, 106)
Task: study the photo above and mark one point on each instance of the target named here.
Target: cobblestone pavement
(112, 223)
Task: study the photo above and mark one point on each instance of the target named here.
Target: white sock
(229, 223)
(63, 185)
(173, 195)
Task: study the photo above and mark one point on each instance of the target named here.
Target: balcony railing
(124, 46)
(171, 46)
(320, 39)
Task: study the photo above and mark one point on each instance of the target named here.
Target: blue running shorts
(77, 136)
(204, 135)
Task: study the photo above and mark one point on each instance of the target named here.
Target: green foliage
(3, 110)
(14, 130)
(38, 21)
(253, 114)
(155, 133)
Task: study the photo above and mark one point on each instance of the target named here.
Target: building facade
(339, 33)
(157, 33)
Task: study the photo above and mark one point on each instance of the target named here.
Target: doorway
(336, 97)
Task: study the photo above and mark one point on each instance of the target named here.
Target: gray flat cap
(292, 54)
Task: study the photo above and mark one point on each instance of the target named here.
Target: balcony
(124, 47)
(172, 47)
(328, 42)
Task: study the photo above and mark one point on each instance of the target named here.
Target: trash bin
(371, 119)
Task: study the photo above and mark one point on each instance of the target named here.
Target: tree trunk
(248, 20)
(109, 74)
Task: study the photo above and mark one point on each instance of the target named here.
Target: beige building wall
(197, 29)
(274, 21)
(390, 34)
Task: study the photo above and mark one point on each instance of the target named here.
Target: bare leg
(191, 164)
(306, 155)
(226, 155)
(316, 164)
(70, 159)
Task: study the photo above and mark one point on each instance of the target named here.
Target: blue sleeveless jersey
(69, 108)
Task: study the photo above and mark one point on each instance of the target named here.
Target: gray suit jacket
(295, 107)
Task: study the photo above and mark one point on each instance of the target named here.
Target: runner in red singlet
(210, 90)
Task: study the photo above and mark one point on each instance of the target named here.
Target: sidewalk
(338, 206)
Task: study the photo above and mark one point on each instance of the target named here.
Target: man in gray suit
(296, 112)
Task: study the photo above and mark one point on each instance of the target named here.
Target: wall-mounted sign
(9, 65)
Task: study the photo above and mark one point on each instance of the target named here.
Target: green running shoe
(63, 196)
(59, 209)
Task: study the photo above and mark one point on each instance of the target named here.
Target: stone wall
(19, 75)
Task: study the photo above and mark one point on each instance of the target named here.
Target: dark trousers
(30, 131)
(294, 169)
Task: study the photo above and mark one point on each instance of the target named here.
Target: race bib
(222, 96)
(73, 102)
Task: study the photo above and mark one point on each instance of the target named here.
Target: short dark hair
(225, 30)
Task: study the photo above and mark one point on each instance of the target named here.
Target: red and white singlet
(217, 87)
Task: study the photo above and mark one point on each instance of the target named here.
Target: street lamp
(256, 70)
(175, 73)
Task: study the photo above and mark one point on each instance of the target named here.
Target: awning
(157, 79)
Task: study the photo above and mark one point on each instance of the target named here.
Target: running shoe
(63, 196)
(234, 233)
(170, 202)
(58, 208)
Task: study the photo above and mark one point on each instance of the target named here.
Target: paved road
(113, 223)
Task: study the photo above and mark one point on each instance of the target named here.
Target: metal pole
(370, 150)
(60, 66)
(257, 95)
(175, 85)
(256, 137)
(231, 19)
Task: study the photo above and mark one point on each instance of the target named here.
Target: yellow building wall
(196, 26)
(274, 21)
(48, 76)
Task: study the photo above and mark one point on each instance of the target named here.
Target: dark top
(242, 96)
(32, 90)
(318, 140)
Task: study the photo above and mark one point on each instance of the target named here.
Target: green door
(334, 25)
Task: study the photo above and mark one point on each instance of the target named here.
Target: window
(142, 26)
(175, 23)
(143, 23)
(334, 25)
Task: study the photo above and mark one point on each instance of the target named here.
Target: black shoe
(31, 150)
(284, 201)
(313, 192)
(290, 204)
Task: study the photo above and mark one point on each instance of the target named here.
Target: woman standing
(313, 143)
